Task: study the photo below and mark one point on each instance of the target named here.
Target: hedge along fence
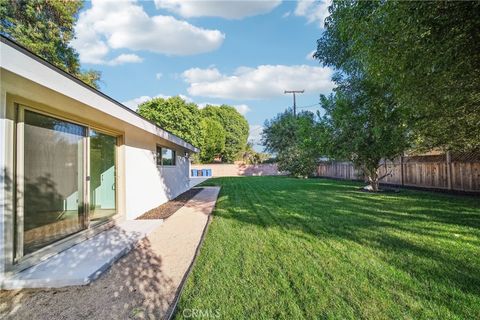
(460, 172)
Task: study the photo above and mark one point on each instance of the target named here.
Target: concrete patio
(84, 262)
(165, 253)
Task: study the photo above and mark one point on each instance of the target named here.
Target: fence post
(449, 170)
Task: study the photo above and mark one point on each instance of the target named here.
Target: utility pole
(294, 99)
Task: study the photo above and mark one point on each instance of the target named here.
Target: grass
(287, 248)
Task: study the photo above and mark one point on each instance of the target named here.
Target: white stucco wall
(3, 189)
(141, 185)
(148, 185)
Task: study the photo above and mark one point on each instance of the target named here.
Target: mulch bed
(167, 209)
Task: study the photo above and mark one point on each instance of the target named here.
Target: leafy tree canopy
(236, 129)
(217, 131)
(362, 124)
(294, 140)
(212, 142)
(46, 28)
(250, 156)
(428, 52)
(175, 115)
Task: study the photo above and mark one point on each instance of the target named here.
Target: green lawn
(288, 248)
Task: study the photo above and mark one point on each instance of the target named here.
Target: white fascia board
(27, 65)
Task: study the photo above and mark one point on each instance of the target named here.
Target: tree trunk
(371, 176)
(373, 179)
(374, 183)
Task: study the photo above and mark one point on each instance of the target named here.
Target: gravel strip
(167, 209)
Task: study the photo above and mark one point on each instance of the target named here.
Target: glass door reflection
(52, 181)
(102, 176)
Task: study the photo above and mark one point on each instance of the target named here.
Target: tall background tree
(429, 54)
(212, 140)
(294, 141)
(175, 115)
(236, 129)
(362, 124)
(219, 131)
(46, 28)
(407, 78)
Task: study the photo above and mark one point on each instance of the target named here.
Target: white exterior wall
(3, 186)
(141, 185)
(148, 185)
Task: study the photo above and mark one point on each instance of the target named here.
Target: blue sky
(238, 53)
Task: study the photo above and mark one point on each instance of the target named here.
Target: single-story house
(73, 161)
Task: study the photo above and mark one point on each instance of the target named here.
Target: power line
(309, 106)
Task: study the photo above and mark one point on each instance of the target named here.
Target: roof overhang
(24, 63)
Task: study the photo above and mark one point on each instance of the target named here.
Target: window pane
(53, 180)
(168, 157)
(102, 176)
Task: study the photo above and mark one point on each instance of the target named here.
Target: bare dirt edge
(169, 208)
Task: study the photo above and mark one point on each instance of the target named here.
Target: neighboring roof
(20, 60)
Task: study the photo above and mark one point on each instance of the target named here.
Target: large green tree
(219, 131)
(294, 141)
(236, 129)
(212, 140)
(46, 28)
(428, 52)
(362, 124)
(175, 115)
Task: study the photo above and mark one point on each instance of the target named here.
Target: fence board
(418, 172)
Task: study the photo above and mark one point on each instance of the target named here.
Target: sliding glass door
(102, 176)
(66, 179)
(53, 171)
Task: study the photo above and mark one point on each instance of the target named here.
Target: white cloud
(233, 9)
(313, 11)
(309, 55)
(286, 14)
(184, 97)
(158, 75)
(124, 58)
(202, 105)
(242, 108)
(255, 134)
(124, 24)
(265, 81)
(135, 102)
(197, 74)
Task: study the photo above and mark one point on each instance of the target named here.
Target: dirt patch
(167, 209)
(381, 190)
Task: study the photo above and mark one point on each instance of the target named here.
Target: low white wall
(239, 169)
(146, 184)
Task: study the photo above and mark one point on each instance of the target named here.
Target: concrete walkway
(142, 284)
(197, 180)
(85, 261)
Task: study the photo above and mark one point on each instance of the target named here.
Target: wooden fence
(445, 171)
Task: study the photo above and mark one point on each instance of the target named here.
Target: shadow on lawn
(421, 233)
(134, 287)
